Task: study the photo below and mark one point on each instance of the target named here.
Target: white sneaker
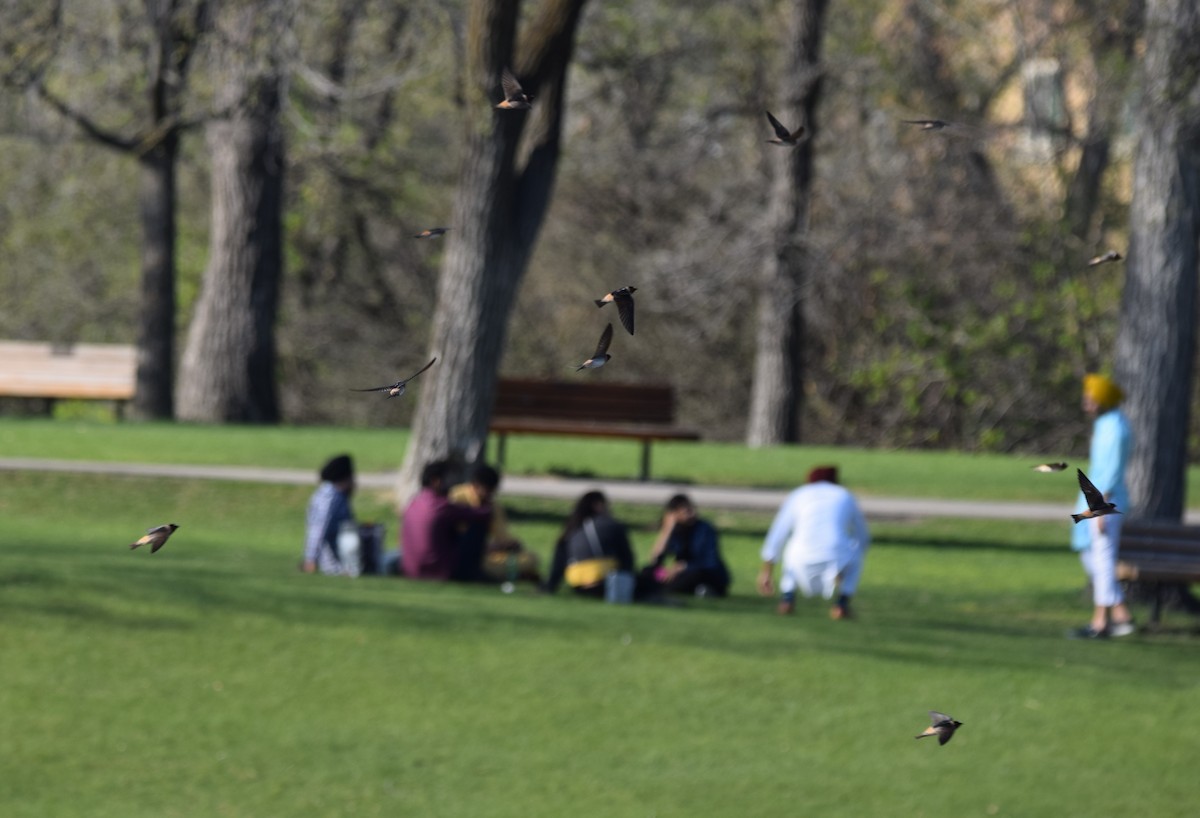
(1122, 628)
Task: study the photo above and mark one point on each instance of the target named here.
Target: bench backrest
(1138, 537)
(31, 369)
(566, 400)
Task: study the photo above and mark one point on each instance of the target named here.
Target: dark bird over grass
(1050, 467)
(623, 298)
(601, 356)
(1097, 505)
(396, 389)
(943, 727)
(784, 137)
(155, 537)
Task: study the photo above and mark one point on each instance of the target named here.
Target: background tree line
(942, 298)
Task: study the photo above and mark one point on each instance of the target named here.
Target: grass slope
(212, 679)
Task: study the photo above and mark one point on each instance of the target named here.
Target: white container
(349, 547)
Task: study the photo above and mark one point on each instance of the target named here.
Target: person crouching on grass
(821, 533)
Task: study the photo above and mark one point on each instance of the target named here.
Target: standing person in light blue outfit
(823, 539)
(328, 508)
(1098, 539)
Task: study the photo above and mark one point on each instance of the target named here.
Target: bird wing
(625, 309)
(378, 388)
(512, 88)
(159, 542)
(780, 130)
(418, 372)
(605, 340)
(158, 529)
(944, 733)
(1095, 499)
(938, 718)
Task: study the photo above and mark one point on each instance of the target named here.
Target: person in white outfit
(823, 539)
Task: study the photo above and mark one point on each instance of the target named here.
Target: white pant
(1100, 561)
(821, 578)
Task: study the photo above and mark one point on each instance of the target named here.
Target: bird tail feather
(1078, 517)
(600, 302)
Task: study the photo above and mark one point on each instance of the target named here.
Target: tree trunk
(503, 191)
(1156, 340)
(777, 388)
(228, 367)
(152, 399)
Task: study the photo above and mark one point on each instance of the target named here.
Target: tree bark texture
(1156, 341)
(153, 398)
(227, 373)
(777, 389)
(502, 195)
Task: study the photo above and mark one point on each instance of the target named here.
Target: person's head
(681, 508)
(1100, 394)
(340, 472)
(486, 480)
(592, 504)
(823, 474)
(435, 476)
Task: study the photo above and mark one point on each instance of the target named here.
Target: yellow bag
(586, 573)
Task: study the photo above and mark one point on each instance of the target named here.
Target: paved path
(625, 491)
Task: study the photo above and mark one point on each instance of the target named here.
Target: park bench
(30, 369)
(631, 411)
(1159, 554)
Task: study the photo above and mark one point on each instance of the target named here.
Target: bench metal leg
(501, 440)
(645, 475)
(1156, 608)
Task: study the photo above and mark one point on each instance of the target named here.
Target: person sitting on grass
(686, 557)
(431, 538)
(823, 538)
(591, 546)
(504, 558)
(328, 508)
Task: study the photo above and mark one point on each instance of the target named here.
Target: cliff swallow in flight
(1111, 255)
(396, 389)
(784, 137)
(431, 233)
(1097, 507)
(929, 124)
(624, 300)
(515, 98)
(943, 727)
(1049, 467)
(156, 537)
(601, 357)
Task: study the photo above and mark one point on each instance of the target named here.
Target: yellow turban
(1103, 390)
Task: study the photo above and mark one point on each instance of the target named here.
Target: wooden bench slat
(84, 371)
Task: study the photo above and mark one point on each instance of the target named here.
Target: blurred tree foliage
(949, 302)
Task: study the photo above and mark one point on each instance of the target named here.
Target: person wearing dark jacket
(592, 545)
(686, 557)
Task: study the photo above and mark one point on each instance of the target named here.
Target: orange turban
(1103, 390)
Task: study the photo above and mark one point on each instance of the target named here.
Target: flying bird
(515, 98)
(155, 537)
(396, 389)
(943, 727)
(1097, 506)
(1111, 255)
(929, 124)
(1049, 467)
(431, 233)
(601, 356)
(784, 137)
(624, 301)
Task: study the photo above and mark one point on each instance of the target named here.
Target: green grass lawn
(213, 679)
(870, 472)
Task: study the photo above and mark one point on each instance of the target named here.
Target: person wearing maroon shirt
(431, 540)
